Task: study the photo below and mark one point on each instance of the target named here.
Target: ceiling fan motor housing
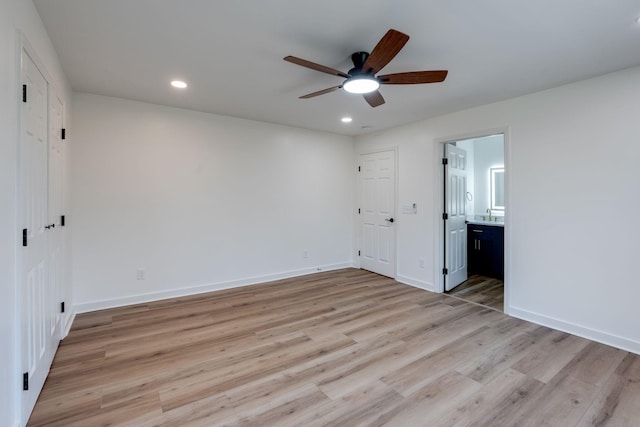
(358, 58)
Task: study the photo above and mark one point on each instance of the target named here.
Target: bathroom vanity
(485, 248)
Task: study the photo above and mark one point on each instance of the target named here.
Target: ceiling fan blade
(414, 77)
(386, 49)
(374, 98)
(320, 92)
(314, 66)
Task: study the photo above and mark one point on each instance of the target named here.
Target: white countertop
(486, 222)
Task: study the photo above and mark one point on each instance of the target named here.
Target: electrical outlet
(421, 263)
(140, 274)
(305, 253)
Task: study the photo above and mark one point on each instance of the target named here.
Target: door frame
(438, 206)
(358, 199)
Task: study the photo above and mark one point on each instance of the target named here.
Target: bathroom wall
(488, 152)
(482, 154)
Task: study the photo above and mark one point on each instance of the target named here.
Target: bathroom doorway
(473, 219)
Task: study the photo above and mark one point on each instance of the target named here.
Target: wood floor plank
(550, 355)
(368, 405)
(481, 290)
(281, 407)
(616, 404)
(594, 364)
(432, 402)
(509, 388)
(498, 358)
(563, 402)
(198, 414)
(339, 348)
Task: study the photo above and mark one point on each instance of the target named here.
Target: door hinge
(358, 253)
(63, 133)
(358, 168)
(445, 216)
(25, 381)
(445, 271)
(24, 93)
(62, 221)
(445, 161)
(62, 307)
(24, 237)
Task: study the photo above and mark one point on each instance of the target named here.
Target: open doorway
(473, 219)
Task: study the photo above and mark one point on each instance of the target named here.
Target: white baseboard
(193, 290)
(69, 321)
(572, 328)
(416, 283)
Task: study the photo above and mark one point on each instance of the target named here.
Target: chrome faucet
(489, 211)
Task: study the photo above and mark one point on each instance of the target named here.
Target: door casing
(438, 206)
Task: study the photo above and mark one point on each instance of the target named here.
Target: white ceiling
(230, 52)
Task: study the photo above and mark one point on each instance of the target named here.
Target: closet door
(37, 311)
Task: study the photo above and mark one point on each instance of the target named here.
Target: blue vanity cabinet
(485, 250)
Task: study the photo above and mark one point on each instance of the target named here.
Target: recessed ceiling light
(179, 84)
(346, 120)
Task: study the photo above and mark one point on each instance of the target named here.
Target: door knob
(389, 219)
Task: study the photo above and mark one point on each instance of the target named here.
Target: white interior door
(38, 314)
(377, 212)
(455, 225)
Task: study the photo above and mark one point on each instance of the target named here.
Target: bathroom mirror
(497, 188)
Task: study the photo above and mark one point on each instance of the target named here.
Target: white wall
(15, 15)
(572, 188)
(200, 201)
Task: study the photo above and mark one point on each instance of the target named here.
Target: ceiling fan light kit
(360, 84)
(362, 79)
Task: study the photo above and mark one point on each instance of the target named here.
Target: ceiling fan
(362, 77)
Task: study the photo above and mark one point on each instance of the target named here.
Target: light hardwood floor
(481, 290)
(341, 348)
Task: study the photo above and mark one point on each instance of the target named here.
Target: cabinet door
(472, 253)
(498, 255)
(485, 250)
(479, 241)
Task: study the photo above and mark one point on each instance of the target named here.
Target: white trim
(420, 284)
(16, 364)
(68, 322)
(193, 290)
(508, 215)
(574, 329)
(26, 46)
